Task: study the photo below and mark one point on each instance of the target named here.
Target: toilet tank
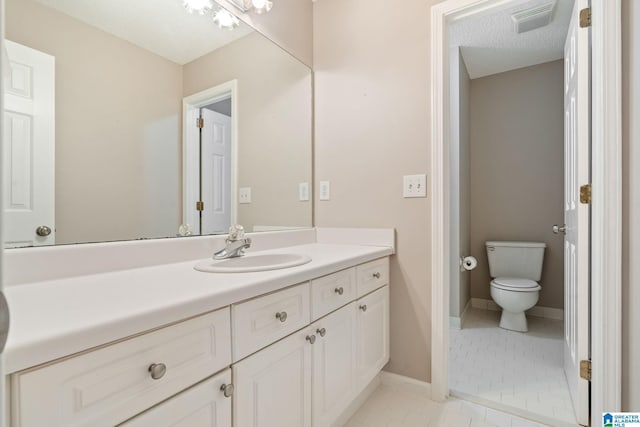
(516, 259)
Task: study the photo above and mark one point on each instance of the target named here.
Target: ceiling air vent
(535, 17)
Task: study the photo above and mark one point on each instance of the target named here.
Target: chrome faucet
(236, 243)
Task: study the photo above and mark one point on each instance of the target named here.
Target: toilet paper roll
(469, 263)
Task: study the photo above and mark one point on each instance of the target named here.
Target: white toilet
(516, 268)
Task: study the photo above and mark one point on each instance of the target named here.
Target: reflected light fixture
(225, 19)
(197, 6)
(259, 6)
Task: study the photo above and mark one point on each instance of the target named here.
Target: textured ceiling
(163, 27)
(490, 45)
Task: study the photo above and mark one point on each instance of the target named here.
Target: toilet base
(513, 321)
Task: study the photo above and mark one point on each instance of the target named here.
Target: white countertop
(57, 318)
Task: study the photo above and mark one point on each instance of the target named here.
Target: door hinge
(585, 370)
(585, 194)
(585, 17)
(200, 206)
(200, 122)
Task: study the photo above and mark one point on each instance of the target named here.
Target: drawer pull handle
(227, 389)
(311, 339)
(339, 290)
(157, 370)
(322, 332)
(376, 275)
(282, 316)
(363, 307)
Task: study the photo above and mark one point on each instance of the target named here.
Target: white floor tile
(517, 370)
(391, 406)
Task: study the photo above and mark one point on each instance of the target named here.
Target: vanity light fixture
(259, 6)
(225, 19)
(197, 6)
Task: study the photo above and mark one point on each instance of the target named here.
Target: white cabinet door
(203, 405)
(334, 365)
(273, 386)
(372, 334)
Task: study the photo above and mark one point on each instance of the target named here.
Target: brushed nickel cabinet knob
(363, 307)
(282, 316)
(376, 275)
(311, 339)
(227, 389)
(339, 290)
(157, 370)
(43, 231)
(322, 332)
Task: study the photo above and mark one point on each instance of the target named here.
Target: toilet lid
(515, 283)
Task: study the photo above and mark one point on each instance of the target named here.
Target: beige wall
(109, 186)
(289, 24)
(631, 207)
(274, 147)
(371, 62)
(517, 169)
(459, 184)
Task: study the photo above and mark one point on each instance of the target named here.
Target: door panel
(576, 257)
(216, 172)
(29, 147)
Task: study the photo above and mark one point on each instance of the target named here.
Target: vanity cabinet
(296, 357)
(310, 377)
(203, 405)
(109, 385)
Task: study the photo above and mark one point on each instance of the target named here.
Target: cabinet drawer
(372, 275)
(331, 292)
(109, 385)
(263, 320)
(203, 405)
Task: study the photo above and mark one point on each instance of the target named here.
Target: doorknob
(43, 231)
(557, 229)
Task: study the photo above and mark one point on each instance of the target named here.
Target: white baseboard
(405, 383)
(357, 402)
(458, 322)
(537, 311)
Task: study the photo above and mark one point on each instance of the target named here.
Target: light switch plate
(325, 190)
(414, 186)
(303, 191)
(244, 195)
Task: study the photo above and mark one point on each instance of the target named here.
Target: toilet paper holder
(468, 263)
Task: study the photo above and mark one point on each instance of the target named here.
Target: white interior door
(29, 147)
(216, 172)
(576, 242)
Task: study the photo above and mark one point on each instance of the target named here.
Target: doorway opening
(507, 185)
(210, 152)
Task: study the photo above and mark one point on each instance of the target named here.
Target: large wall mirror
(129, 119)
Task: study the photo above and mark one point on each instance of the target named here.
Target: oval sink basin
(251, 263)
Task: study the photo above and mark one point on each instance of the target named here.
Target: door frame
(191, 149)
(606, 207)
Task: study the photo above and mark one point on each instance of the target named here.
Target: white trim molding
(606, 206)
(537, 311)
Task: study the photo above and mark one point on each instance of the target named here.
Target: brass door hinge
(585, 194)
(585, 17)
(200, 122)
(585, 370)
(200, 206)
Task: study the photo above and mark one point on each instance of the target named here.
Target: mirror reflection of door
(29, 147)
(215, 167)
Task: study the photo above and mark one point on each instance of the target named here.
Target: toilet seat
(515, 284)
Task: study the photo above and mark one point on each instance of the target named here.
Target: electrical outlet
(244, 195)
(414, 186)
(325, 190)
(303, 191)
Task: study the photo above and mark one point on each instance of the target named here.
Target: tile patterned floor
(511, 369)
(396, 406)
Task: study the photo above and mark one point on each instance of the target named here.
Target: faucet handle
(236, 232)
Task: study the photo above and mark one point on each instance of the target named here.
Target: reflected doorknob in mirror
(43, 231)
(557, 229)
